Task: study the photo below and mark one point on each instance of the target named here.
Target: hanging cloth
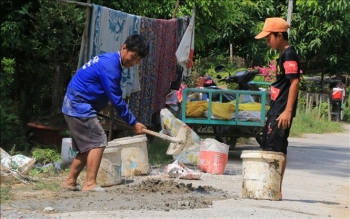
(107, 33)
(185, 51)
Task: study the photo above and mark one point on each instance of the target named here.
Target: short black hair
(284, 34)
(137, 43)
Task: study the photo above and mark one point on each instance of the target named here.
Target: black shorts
(87, 133)
(273, 138)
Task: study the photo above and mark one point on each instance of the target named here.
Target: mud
(149, 194)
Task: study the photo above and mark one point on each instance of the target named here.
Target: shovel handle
(147, 131)
(162, 136)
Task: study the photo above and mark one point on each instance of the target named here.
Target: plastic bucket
(261, 173)
(109, 173)
(67, 153)
(134, 155)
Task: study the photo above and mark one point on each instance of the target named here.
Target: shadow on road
(312, 201)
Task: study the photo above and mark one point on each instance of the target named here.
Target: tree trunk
(57, 89)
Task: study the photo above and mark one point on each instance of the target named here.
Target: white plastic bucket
(109, 173)
(67, 153)
(134, 155)
(261, 173)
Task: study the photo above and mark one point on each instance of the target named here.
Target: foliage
(309, 122)
(12, 132)
(346, 107)
(156, 152)
(46, 155)
(268, 72)
(321, 32)
(44, 36)
(6, 82)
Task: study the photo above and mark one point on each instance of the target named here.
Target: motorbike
(242, 78)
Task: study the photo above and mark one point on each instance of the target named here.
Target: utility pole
(289, 16)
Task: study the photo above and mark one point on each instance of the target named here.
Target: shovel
(178, 143)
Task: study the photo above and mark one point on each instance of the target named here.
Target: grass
(157, 152)
(310, 123)
(46, 185)
(5, 195)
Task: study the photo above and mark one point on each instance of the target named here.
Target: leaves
(323, 31)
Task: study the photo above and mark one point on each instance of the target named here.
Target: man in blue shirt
(91, 88)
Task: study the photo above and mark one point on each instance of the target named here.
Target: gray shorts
(87, 133)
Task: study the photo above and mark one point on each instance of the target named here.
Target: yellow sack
(252, 106)
(223, 110)
(196, 108)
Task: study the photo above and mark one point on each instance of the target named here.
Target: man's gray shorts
(87, 133)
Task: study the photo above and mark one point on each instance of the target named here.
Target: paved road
(316, 185)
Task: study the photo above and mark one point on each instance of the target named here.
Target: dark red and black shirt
(288, 67)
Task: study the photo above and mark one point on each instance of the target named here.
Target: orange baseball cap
(274, 24)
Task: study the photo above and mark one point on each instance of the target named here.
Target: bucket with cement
(134, 155)
(261, 172)
(109, 173)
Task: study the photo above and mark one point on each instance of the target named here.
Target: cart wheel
(230, 141)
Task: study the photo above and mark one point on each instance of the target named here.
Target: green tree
(44, 37)
(321, 32)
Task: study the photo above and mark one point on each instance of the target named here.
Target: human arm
(285, 118)
(110, 82)
(138, 128)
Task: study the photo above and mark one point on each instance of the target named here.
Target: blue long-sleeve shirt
(94, 85)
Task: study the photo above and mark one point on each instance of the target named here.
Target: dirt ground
(142, 192)
(316, 185)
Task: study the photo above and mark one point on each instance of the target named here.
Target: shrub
(46, 155)
(12, 132)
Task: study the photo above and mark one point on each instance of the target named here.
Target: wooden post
(319, 108)
(329, 111)
(307, 102)
(310, 103)
(176, 8)
(87, 24)
(231, 53)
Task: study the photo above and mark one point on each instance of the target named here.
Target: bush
(46, 155)
(346, 108)
(312, 121)
(12, 131)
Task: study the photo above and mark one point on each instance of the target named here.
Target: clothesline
(106, 29)
(77, 3)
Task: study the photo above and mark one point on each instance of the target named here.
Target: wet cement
(150, 194)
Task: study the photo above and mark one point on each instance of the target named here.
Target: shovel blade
(184, 135)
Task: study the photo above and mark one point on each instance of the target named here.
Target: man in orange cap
(284, 91)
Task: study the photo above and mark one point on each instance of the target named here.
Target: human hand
(284, 119)
(138, 128)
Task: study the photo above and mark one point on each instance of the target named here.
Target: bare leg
(93, 164)
(77, 166)
(284, 163)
